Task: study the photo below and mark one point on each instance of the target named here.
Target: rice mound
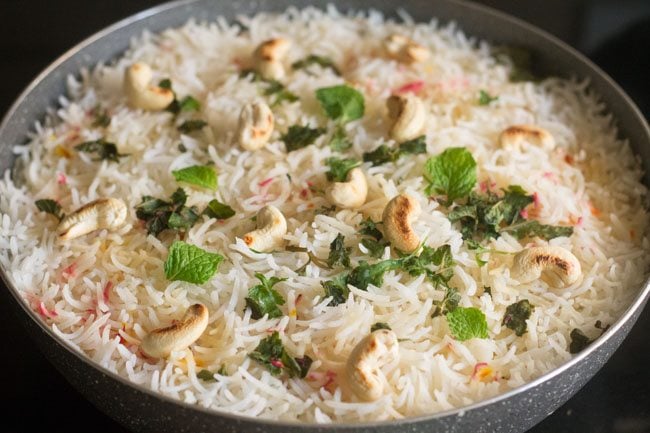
(102, 293)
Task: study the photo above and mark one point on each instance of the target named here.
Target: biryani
(325, 217)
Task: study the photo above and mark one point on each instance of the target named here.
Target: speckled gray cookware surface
(142, 410)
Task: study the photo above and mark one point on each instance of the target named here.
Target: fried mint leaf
(339, 255)
(218, 210)
(379, 325)
(50, 206)
(448, 303)
(516, 316)
(273, 356)
(104, 150)
(465, 323)
(159, 215)
(339, 168)
(190, 263)
(206, 375)
(452, 173)
(199, 175)
(298, 137)
(384, 154)
(579, 341)
(341, 103)
(192, 125)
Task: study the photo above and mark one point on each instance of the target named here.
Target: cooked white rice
(591, 181)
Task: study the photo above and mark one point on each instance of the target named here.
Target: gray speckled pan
(143, 410)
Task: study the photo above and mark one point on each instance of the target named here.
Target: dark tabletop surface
(615, 34)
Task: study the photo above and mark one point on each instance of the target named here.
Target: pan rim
(635, 306)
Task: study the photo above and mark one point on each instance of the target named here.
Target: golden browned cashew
(350, 194)
(405, 50)
(271, 228)
(363, 368)
(255, 126)
(141, 93)
(104, 213)
(268, 58)
(515, 135)
(159, 343)
(398, 215)
(408, 115)
(559, 266)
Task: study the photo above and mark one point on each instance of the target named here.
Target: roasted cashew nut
(159, 343)
(350, 194)
(513, 137)
(408, 115)
(271, 228)
(398, 215)
(363, 369)
(268, 58)
(104, 213)
(405, 50)
(255, 126)
(559, 266)
(141, 93)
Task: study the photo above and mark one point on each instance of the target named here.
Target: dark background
(613, 33)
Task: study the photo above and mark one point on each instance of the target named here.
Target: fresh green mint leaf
(436, 263)
(466, 323)
(340, 141)
(452, 173)
(50, 206)
(381, 155)
(375, 248)
(199, 175)
(341, 103)
(298, 137)
(104, 150)
(484, 98)
(218, 210)
(270, 353)
(189, 263)
(339, 168)
(365, 274)
(192, 125)
(312, 59)
(189, 103)
(263, 299)
(339, 254)
(516, 316)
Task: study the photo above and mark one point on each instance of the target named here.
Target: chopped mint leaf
(312, 59)
(279, 93)
(206, 375)
(579, 341)
(104, 150)
(384, 154)
(379, 325)
(339, 254)
(448, 303)
(516, 316)
(340, 141)
(465, 323)
(339, 168)
(160, 215)
(369, 228)
(375, 248)
(270, 352)
(50, 206)
(102, 119)
(263, 299)
(337, 288)
(452, 173)
(298, 137)
(199, 175)
(484, 98)
(192, 125)
(531, 228)
(190, 263)
(218, 210)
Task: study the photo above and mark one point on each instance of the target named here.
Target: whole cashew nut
(408, 115)
(515, 135)
(364, 364)
(255, 126)
(271, 228)
(398, 215)
(141, 93)
(159, 343)
(350, 194)
(268, 58)
(405, 50)
(104, 213)
(560, 267)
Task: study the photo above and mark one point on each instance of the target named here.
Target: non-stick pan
(141, 409)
